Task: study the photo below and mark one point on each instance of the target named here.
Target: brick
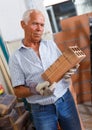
(81, 77)
(82, 87)
(77, 30)
(84, 97)
(65, 62)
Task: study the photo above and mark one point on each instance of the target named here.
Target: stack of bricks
(76, 31)
(64, 63)
(13, 115)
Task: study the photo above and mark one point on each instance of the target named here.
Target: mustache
(37, 34)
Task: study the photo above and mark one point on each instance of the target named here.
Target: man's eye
(34, 24)
(42, 25)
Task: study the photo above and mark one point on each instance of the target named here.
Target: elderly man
(55, 103)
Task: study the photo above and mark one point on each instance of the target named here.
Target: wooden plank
(6, 75)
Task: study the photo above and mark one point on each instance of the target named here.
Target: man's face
(35, 27)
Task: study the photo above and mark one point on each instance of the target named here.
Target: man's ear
(23, 24)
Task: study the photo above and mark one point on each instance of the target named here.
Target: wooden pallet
(9, 119)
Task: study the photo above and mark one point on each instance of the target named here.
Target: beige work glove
(45, 89)
(72, 71)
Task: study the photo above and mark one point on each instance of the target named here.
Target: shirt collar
(23, 46)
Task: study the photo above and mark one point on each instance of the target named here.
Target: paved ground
(86, 114)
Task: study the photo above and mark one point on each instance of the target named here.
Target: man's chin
(37, 39)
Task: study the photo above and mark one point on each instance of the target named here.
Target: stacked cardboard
(7, 102)
(13, 115)
(65, 62)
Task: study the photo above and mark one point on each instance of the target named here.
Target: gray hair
(26, 15)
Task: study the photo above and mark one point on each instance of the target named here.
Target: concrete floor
(85, 110)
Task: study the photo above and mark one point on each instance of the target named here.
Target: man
(50, 104)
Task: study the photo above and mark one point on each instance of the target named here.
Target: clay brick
(84, 97)
(85, 65)
(76, 22)
(81, 77)
(76, 31)
(68, 60)
(82, 87)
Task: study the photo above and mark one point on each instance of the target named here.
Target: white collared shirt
(26, 68)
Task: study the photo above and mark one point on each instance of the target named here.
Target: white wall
(11, 12)
(83, 6)
(52, 2)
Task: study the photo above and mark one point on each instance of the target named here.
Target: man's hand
(71, 72)
(45, 89)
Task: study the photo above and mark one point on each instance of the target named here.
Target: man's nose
(39, 27)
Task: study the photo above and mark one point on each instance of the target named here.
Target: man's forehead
(36, 16)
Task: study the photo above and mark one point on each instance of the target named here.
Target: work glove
(72, 71)
(45, 89)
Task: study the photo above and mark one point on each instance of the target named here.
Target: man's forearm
(22, 91)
